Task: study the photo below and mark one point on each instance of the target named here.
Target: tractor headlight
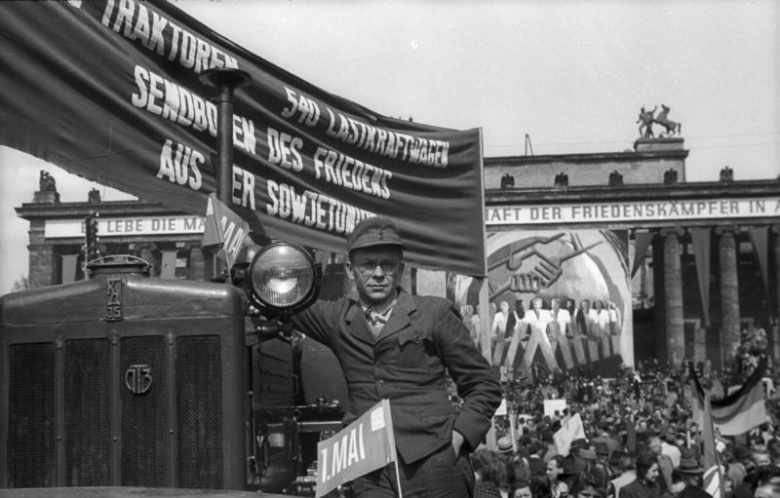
(282, 278)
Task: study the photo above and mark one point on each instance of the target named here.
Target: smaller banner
(501, 410)
(701, 251)
(570, 430)
(224, 229)
(759, 236)
(739, 412)
(365, 445)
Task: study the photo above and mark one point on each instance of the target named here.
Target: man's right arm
(317, 320)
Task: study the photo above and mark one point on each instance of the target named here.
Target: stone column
(774, 331)
(41, 257)
(729, 293)
(673, 297)
(659, 320)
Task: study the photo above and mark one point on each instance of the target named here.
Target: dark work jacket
(638, 489)
(406, 364)
(693, 492)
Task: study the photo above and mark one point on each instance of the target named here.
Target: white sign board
(365, 445)
(124, 227)
(553, 405)
(633, 212)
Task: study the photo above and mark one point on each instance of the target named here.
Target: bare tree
(22, 284)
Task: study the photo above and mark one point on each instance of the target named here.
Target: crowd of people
(640, 438)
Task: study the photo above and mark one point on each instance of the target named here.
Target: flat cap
(375, 231)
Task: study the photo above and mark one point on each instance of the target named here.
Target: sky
(570, 75)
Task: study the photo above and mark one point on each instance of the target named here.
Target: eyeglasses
(388, 267)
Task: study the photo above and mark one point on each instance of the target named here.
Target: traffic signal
(91, 231)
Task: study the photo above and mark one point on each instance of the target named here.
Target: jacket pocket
(412, 348)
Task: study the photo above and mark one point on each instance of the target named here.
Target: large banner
(110, 90)
(559, 300)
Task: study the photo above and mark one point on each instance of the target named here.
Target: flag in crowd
(737, 413)
(713, 472)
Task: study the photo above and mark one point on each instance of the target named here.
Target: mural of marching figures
(559, 300)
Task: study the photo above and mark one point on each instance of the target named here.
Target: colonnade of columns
(670, 310)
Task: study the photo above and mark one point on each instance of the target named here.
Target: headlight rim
(255, 296)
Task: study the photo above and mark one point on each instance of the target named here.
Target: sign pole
(226, 81)
(398, 479)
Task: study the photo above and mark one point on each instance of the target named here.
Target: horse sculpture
(672, 127)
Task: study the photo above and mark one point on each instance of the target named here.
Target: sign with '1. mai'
(365, 445)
